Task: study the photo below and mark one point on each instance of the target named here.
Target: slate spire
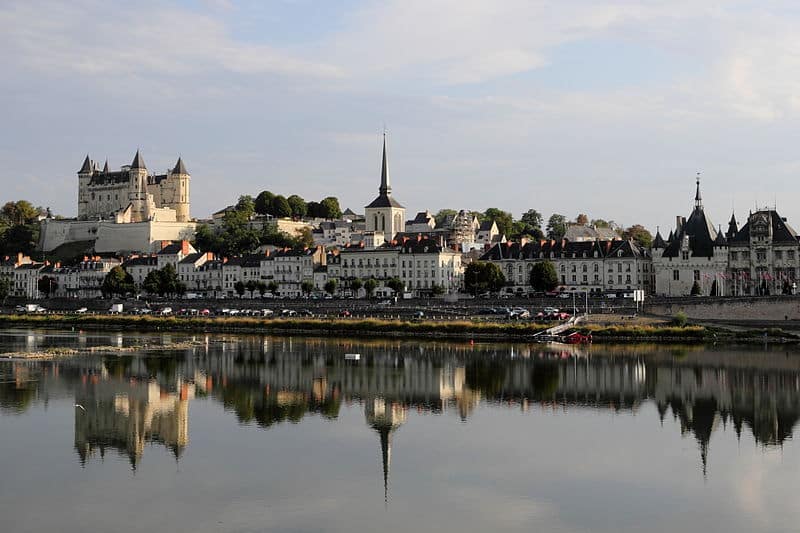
(385, 188)
(698, 200)
(86, 168)
(105, 167)
(138, 161)
(180, 168)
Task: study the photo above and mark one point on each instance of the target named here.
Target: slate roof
(563, 249)
(147, 260)
(191, 258)
(698, 228)
(486, 225)
(171, 249)
(658, 242)
(138, 161)
(180, 168)
(781, 231)
(87, 166)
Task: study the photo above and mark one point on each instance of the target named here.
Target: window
(761, 256)
(778, 254)
(734, 256)
(676, 275)
(573, 268)
(790, 254)
(697, 275)
(685, 256)
(584, 269)
(619, 267)
(596, 267)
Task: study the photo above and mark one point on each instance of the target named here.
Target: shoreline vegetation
(371, 327)
(60, 352)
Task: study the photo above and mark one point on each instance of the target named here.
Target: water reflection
(132, 400)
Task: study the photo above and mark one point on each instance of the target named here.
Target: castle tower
(385, 214)
(138, 189)
(84, 177)
(181, 199)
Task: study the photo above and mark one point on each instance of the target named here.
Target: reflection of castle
(126, 414)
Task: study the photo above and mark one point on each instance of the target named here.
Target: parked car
(288, 312)
(165, 311)
(345, 313)
(306, 312)
(81, 311)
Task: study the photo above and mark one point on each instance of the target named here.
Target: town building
(763, 256)
(695, 253)
(584, 266)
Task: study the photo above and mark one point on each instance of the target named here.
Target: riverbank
(49, 354)
(371, 327)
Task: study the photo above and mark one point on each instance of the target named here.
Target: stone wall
(745, 309)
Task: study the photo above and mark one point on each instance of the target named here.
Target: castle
(125, 211)
(131, 194)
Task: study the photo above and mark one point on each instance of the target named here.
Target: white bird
(80, 406)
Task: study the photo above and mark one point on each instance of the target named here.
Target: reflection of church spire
(385, 418)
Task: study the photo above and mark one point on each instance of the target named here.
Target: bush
(680, 319)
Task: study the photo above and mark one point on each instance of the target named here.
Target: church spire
(86, 168)
(385, 188)
(386, 459)
(138, 161)
(698, 200)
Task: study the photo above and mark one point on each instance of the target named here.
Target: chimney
(164, 244)
(209, 256)
(184, 247)
(20, 257)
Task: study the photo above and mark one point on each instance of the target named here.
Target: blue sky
(604, 108)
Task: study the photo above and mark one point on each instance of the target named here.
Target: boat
(352, 356)
(576, 337)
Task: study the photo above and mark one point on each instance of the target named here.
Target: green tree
(532, 218)
(263, 203)
(582, 219)
(355, 286)
(152, 282)
(330, 207)
(117, 282)
(305, 239)
(314, 210)
(396, 285)
(443, 214)
(306, 286)
(483, 276)
(47, 285)
(5, 288)
(437, 290)
(503, 219)
(297, 205)
(330, 286)
(600, 223)
(638, 234)
(696, 290)
(370, 285)
(556, 226)
(280, 207)
(251, 286)
(246, 205)
(272, 286)
(261, 287)
(239, 287)
(543, 276)
(18, 213)
(206, 240)
(163, 282)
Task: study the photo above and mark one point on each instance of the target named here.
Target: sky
(604, 108)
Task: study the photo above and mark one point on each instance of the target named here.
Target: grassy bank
(352, 327)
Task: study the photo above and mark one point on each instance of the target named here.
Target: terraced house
(585, 266)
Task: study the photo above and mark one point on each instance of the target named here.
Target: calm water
(252, 433)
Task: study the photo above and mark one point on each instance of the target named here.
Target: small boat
(352, 356)
(577, 337)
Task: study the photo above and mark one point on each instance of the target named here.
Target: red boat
(577, 337)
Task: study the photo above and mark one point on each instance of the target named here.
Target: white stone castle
(124, 211)
(131, 194)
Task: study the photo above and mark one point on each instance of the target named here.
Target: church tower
(138, 189)
(385, 214)
(84, 178)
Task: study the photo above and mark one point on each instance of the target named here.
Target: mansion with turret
(760, 258)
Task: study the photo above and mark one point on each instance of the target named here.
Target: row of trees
(267, 203)
(483, 276)
(237, 237)
(531, 224)
(19, 227)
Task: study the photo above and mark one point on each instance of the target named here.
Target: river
(261, 433)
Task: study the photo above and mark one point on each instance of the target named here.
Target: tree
(437, 290)
(152, 283)
(305, 239)
(543, 276)
(639, 235)
(696, 289)
(246, 206)
(443, 214)
(239, 287)
(18, 213)
(5, 288)
(503, 219)
(314, 210)
(280, 207)
(163, 282)
(263, 203)
(117, 282)
(330, 286)
(272, 286)
(600, 223)
(297, 205)
(306, 286)
(261, 286)
(251, 286)
(582, 219)
(330, 207)
(47, 285)
(205, 239)
(370, 285)
(556, 226)
(532, 218)
(396, 285)
(483, 276)
(355, 286)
